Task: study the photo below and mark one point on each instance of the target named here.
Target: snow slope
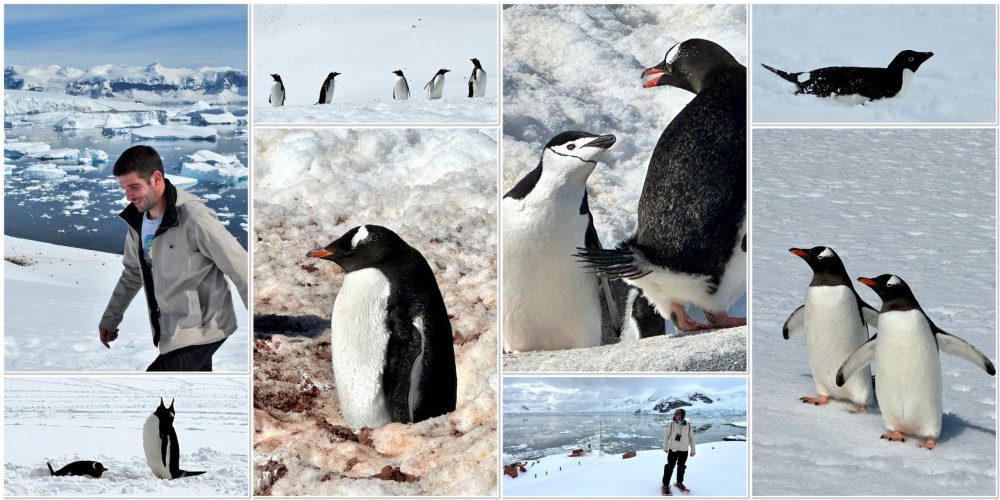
(956, 85)
(436, 188)
(365, 43)
(61, 420)
(54, 297)
(916, 203)
(717, 469)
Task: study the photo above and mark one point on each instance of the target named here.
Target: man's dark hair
(142, 160)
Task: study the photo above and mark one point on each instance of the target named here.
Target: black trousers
(195, 358)
(679, 458)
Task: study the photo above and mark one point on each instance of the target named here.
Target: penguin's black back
(873, 83)
(693, 200)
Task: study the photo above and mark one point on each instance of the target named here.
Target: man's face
(142, 193)
(677, 417)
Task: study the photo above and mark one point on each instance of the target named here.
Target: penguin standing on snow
(690, 243)
(391, 340)
(550, 302)
(907, 360)
(277, 95)
(326, 90)
(80, 468)
(477, 82)
(159, 440)
(435, 87)
(853, 85)
(400, 91)
(836, 321)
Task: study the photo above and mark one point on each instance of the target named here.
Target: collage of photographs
(569, 265)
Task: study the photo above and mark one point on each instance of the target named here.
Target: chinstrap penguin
(277, 95)
(80, 468)
(853, 85)
(689, 246)
(326, 90)
(550, 301)
(907, 362)
(435, 87)
(159, 441)
(836, 320)
(477, 82)
(391, 339)
(400, 90)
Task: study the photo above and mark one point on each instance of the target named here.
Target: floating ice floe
(223, 118)
(180, 181)
(175, 132)
(56, 154)
(93, 156)
(43, 171)
(17, 149)
(214, 167)
(117, 121)
(69, 123)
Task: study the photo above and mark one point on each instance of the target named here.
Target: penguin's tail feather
(791, 77)
(622, 262)
(188, 473)
(52, 472)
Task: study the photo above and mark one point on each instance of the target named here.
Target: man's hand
(691, 454)
(108, 336)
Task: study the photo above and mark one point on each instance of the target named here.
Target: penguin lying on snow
(80, 468)
(435, 87)
(477, 82)
(159, 440)
(836, 322)
(326, 90)
(689, 246)
(857, 85)
(905, 354)
(391, 340)
(277, 95)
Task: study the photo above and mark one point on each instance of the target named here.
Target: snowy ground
(54, 296)
(62, 420)
(957, 84)
(916, 203)
(717, 469)
(365, 43)
(437, 189)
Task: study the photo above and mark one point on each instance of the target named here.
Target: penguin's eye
(911, 59)
(571, 147)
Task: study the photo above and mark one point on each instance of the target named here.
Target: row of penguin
(400, 89)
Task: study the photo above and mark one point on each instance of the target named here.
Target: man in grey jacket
(679, 438)
(179, 253)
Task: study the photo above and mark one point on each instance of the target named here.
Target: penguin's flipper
(471, 82)
(269, 98)
(794, 322)
(189, 473)
(406, 343)
(958, 347)
(870, 314)
(164, 446)
(428, 84)
(593, 241)
(791, 77)
(618, 263)
(861, 358)
(52, 472)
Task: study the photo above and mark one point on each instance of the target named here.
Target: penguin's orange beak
(658, 71)
(867, 281)
(320, 253)
(800, 252)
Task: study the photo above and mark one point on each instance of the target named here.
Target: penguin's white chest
(479, 83)
(834, 330)
(401, 91)
(359, 337)
(907, 78)
(550, 300)
(329, 92)
(151, 444)
(277, 95)
(436, 87)
(908, 374)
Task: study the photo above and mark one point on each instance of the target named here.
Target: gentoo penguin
(277, 96)
(393, 359)
(907, 363)
(159, 440)
(836, 321)
(857, 85)
(550, 302)
(641, 318)
(326, 90)
(477, 82)
(80, 468)
(435, 87)
(689, 245)
(401, 91)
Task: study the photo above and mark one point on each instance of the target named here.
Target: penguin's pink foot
(682, 321)
(860, 409)
(822, 400)
(723, 320)
(929, 443)
(894, 436)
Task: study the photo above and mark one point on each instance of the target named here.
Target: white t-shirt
(149, 227)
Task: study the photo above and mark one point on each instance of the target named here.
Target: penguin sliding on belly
(159, 440)
(690, 243)
(836, 320)
(852, 85)
(326, 90)
(391, 339)
(80, 468)
(907, 362)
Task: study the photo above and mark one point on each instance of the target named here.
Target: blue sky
(83, 36)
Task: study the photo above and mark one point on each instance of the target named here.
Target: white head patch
(826, 253)
(671, 54)
(359, 236)
(893, 281)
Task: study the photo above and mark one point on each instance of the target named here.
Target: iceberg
(56, 154)
(175, 132)
(17, 149)
(43, 171)
(209, 166)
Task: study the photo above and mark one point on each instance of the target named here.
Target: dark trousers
(675, 457)
(195, 358)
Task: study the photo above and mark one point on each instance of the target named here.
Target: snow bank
(174, 132)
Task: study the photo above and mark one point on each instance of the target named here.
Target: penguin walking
(326, 90)
(477, 82)
(852, 85)
(836, 320)
(435, 87)
(550, 302)
(159, 440)
(80, 468)
(393, 358)
(906, 356)
(277, 95)
(690, 243)
(401, 91)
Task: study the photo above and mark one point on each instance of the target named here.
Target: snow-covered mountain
(654, 402)
(112, 81)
